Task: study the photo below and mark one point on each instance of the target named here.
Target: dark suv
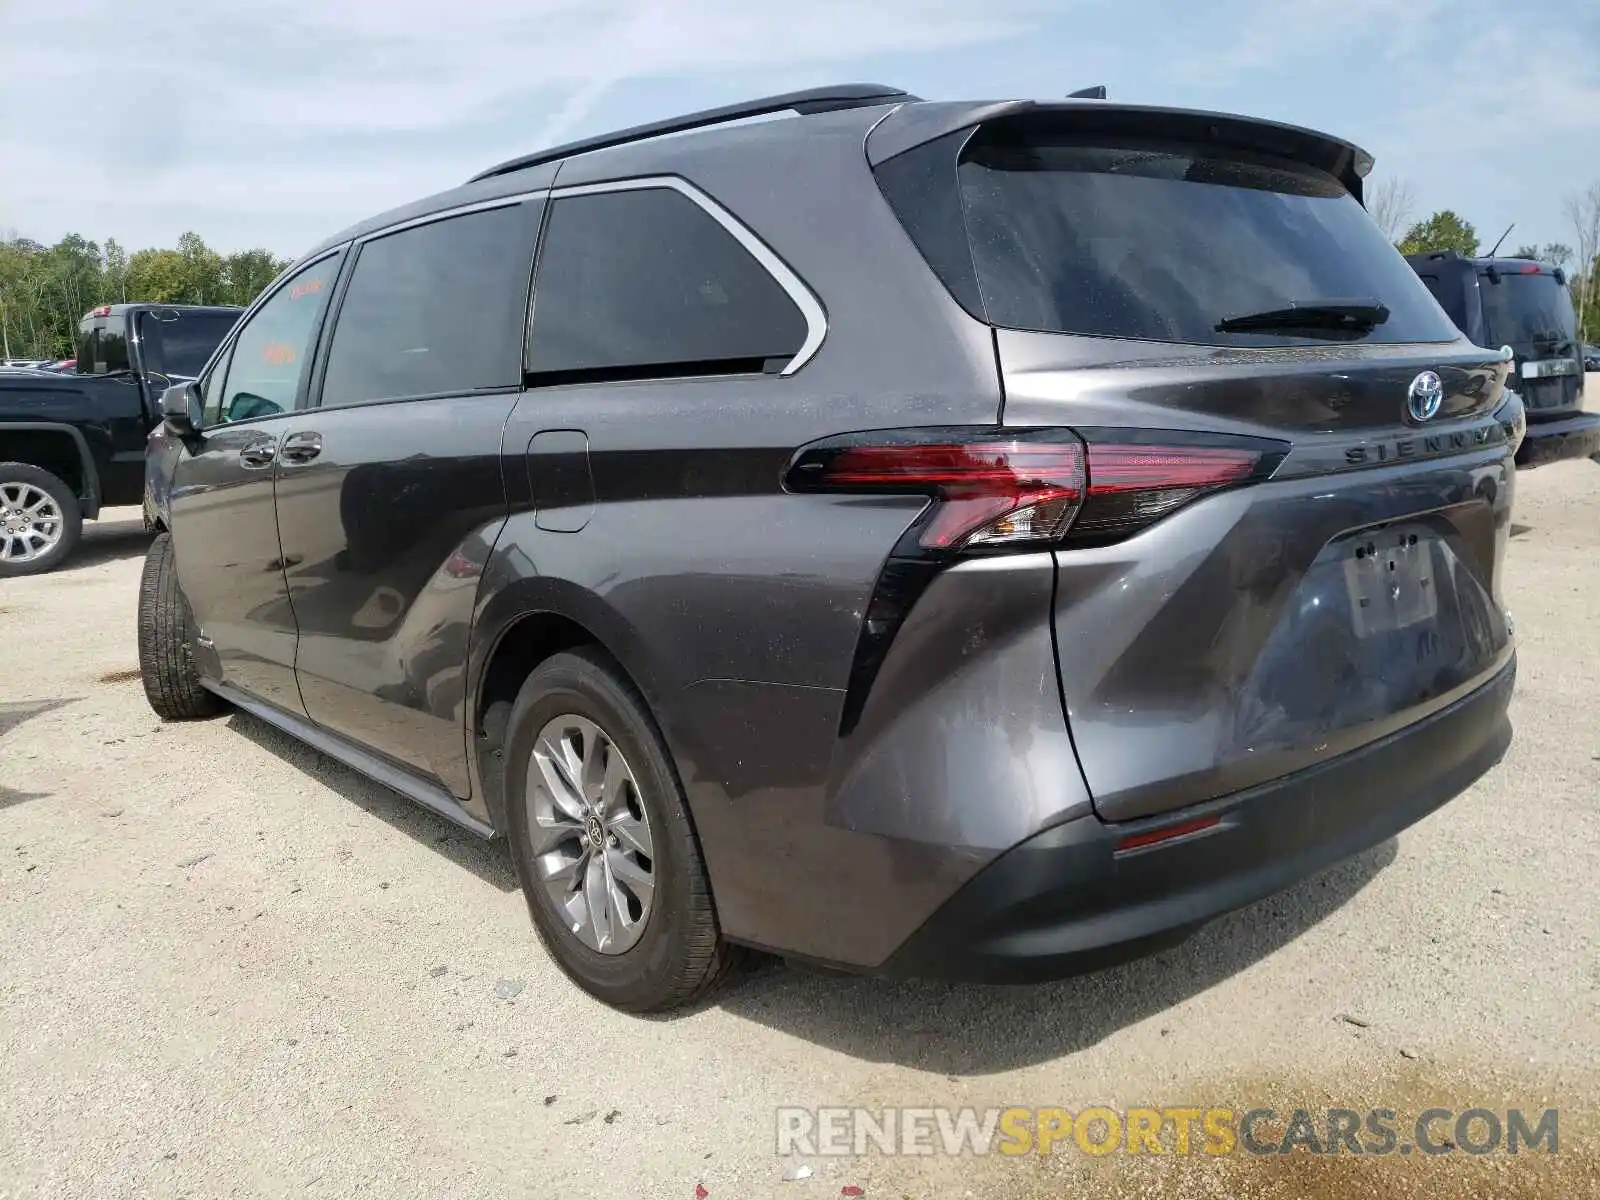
(1525, 305)
(966, 539)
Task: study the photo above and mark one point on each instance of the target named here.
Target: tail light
(990, 493)
(1032, 488)
(993, 490)
(1131, 486)
(459, 566)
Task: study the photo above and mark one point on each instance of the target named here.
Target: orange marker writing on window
(309, 288)
(279, 354)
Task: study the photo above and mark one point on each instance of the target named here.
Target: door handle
(258, 455)
(301, 448)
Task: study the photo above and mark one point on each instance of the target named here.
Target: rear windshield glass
(1163, 242)
(1530, 313)
(179, 343)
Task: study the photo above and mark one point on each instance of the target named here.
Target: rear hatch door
(1529, 309)
(1177, 300)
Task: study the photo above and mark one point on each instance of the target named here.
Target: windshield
(1530, 313)
(179, 343)
(1165, 242)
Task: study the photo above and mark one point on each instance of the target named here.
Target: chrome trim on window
(445, 214)
(805, 299)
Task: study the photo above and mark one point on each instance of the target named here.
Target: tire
(166, 641)
(679, 955)
(21, 480)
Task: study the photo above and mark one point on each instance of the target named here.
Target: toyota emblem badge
(1425, 396)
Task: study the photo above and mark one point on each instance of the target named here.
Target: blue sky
(276, 122)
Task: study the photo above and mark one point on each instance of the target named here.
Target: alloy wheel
(31, 522)
(592, 844)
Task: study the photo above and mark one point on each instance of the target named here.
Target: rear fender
(89, 490)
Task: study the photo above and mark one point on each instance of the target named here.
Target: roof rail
(812, 100)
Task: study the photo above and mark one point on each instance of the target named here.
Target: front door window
(266, 371)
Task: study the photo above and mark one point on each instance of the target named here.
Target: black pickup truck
(74, 443)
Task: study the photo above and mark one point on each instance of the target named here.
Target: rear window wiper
(1334, 316)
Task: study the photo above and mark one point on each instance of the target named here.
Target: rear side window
(103, 348)
(1446, 291)
(646, 283)
(1163, 242)
(178, 342)
(435, 309)
(89, 350)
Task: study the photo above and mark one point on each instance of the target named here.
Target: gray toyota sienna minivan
(977, 539)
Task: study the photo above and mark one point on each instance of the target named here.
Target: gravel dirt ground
(231, 967)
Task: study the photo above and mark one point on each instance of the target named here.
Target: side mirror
(181, 406)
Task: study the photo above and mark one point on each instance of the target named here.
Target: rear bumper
(1552, 441)
(1065, 901)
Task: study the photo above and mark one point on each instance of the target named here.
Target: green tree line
(45, 290)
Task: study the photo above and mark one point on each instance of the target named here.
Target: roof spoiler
(918, 124)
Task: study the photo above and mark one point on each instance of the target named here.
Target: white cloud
(1263, 35)
(277, 121)
(1489, 109)
(1504, 127)
(266, 109)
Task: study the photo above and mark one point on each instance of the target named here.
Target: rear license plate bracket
(1389, 576)
(1549, 368)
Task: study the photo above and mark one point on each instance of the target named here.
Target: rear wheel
(603, 842)
(166, 641)
(40, 521)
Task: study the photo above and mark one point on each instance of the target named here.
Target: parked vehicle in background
(43, 364)
(1591, 357)
(73, 443)
(961, 560)
(1523, 304)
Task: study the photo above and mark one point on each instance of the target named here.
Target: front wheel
(40, 521)
(603, 843)
(166, 641)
